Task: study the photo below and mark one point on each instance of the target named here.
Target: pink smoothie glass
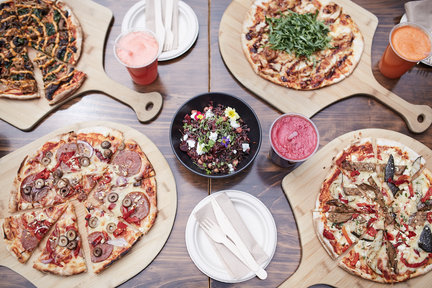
(138, 50)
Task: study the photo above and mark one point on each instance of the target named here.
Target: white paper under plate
(427, 61)
(188, 27)
(258, 220)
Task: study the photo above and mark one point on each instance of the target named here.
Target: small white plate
(427, 61)
(258, 220)
(188, 27)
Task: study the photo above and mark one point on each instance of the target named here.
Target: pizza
(109, 238)
(95, 168)
(63, 254)
(373, 214)
(302, 44)
(23, 232)
(49, 27)
(59, 79)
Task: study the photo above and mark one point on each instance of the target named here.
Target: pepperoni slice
(28, 241)
(141, 204)
(106, 248)
(35, 194)
(129, 162)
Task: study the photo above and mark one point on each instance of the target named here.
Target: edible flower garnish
(225, 141)
(231, 114)
(199, 116)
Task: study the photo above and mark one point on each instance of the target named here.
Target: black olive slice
(64, 191)
(127, 202)
(97, 251)
(93, 222)
(106, 144)
(46, 161)
(39, 183)
(63, 241)
(48, 154)
(62, 183)
(72, 245)
(389, 169)
(137, 184)
(111, 227)
(107, 153)
(58, 173)
(84, 161)
(71, 235)
(27, 189)
(113, 197)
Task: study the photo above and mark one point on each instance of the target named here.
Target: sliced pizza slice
(109, 238)
(339, 231)
(60, 80)
(23, 232)
(358, 161)
(136, 203)
(368, 259)
(62, 254)
(339, 194)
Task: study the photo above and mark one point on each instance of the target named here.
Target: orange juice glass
(138, 50)
(409, 43)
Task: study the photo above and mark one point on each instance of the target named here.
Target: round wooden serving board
(302, 187)
(141, 254)
(362, 81)
(95, 20)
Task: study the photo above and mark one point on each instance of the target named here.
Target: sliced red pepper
(345, 233)
(389, 236)
(369, 207)
(66, 156)
(97, 240)
(132, 219)
(411, 234)
(414, 265)
(77, 249)
(427, 196)
(121, 227)
(372, 232)
(111, 206)
(327, 234)
(355, 259)
(411, 190)
(355, 215)
(354, 173)
(105, 179)
(429, 217)
(402, 179)
(342, 200)
(126, 213)
(44, 174)
(371, 220)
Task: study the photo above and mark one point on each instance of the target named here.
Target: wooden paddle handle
(417, 117)
(145, 105)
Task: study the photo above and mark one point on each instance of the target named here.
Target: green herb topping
(301, 34)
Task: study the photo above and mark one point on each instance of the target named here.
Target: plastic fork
(217, 235)
(169, 36)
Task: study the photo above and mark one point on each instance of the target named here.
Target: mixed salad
(216, 138)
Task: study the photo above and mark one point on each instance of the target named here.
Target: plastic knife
(229, 230)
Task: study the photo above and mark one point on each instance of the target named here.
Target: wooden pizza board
(141, 254)
(95, 20)
(362, 81)
(302, 187)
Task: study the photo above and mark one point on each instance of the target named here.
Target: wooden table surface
(201, 70)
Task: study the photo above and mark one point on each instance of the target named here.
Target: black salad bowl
(198, 103)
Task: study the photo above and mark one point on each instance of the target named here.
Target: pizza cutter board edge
(95, 20)
(302, 187)
(141, 254)
(308, 103)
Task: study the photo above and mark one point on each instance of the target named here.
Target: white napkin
(420, 12)
(234, 266)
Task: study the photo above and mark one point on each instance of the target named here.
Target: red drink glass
(293, 138)
(409, 43)
(138, 50)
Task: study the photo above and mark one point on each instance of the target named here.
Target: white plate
(427, 61)
(188, 27)
(258, 220)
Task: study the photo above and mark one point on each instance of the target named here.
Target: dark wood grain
(201, 70)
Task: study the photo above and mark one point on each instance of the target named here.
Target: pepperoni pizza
(374, 211)
(49, 27)
(94, 167)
